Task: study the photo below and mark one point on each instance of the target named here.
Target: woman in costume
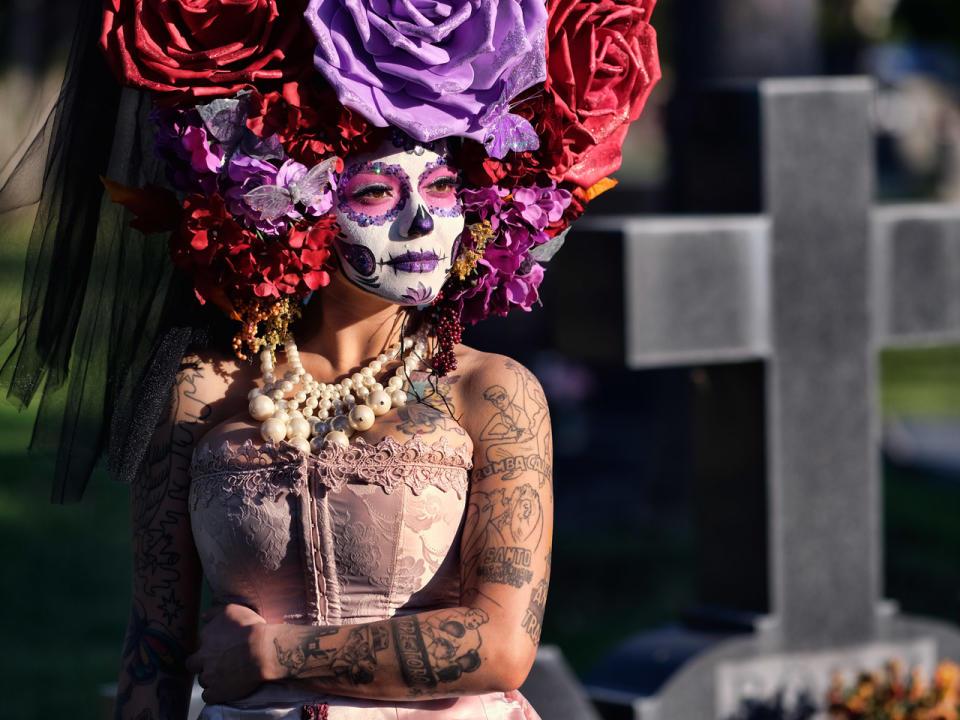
(350, 182)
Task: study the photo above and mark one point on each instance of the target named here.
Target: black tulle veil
(100, 330)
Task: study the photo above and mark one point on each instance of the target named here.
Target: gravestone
(809, 290)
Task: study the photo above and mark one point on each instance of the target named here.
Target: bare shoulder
(480, 371)
(505, 412)
(209, 387)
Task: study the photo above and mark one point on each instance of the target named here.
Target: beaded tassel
(448, 330)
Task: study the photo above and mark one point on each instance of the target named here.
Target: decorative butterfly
(225, 121)
(273, 201)
(507, 131)
(510, 132)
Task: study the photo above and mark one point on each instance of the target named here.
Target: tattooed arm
(505, 553)
(154, 684)
(489, 642)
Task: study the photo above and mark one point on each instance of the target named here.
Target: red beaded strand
(448, 330)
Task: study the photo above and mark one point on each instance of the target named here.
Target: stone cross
(813, 287)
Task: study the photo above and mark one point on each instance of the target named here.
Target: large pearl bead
(298, 426)
(379, 402)
(273, 430)
(301, 444)
(398, 398)
(337, 438)
(261, 407)
(362, 418)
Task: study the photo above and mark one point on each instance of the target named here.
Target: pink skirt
(291, 703)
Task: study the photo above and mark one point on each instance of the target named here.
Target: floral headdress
(258, 101)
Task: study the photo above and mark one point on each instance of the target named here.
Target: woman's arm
(486, 644)
(154, 684)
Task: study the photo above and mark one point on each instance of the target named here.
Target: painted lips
(414, 262)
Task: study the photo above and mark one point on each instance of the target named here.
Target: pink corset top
(352, 535)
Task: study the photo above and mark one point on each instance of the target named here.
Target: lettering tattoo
(507, 566)
(532, 621)
(517, 434)
(412, 653)
(440, 649)
(497, 520)
(510, 467)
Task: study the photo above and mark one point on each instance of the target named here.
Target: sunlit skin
(506, 534)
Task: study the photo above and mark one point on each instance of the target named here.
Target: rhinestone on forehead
(379, 168)
(455, 210)
(404, 142)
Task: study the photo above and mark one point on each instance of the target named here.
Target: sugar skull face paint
(400, 220)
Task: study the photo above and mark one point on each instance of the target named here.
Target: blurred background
(626, 534)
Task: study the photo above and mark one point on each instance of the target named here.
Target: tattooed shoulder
(509, 417)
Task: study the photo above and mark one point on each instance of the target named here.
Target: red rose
(602, 64)
(192, 49)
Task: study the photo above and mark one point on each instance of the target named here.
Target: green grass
(65, 586)
(921, 383)
(922, 513)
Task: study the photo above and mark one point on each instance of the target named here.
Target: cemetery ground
(65, 573)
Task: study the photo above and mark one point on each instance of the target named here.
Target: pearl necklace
(329, 412)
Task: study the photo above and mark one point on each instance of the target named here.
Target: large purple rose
(430, 68)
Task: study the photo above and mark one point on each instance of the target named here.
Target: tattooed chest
(420, 419)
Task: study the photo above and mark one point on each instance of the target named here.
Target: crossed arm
(489, 642)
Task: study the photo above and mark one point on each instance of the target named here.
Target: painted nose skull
(422, 224)
(400, 222)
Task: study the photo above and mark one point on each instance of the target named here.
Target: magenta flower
(507, 276)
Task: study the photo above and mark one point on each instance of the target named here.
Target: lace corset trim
(387, 463)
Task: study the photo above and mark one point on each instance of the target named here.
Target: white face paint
(401, 222)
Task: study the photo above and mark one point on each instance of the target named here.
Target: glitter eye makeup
(373, 193)
(438, 185)
(400, 221)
